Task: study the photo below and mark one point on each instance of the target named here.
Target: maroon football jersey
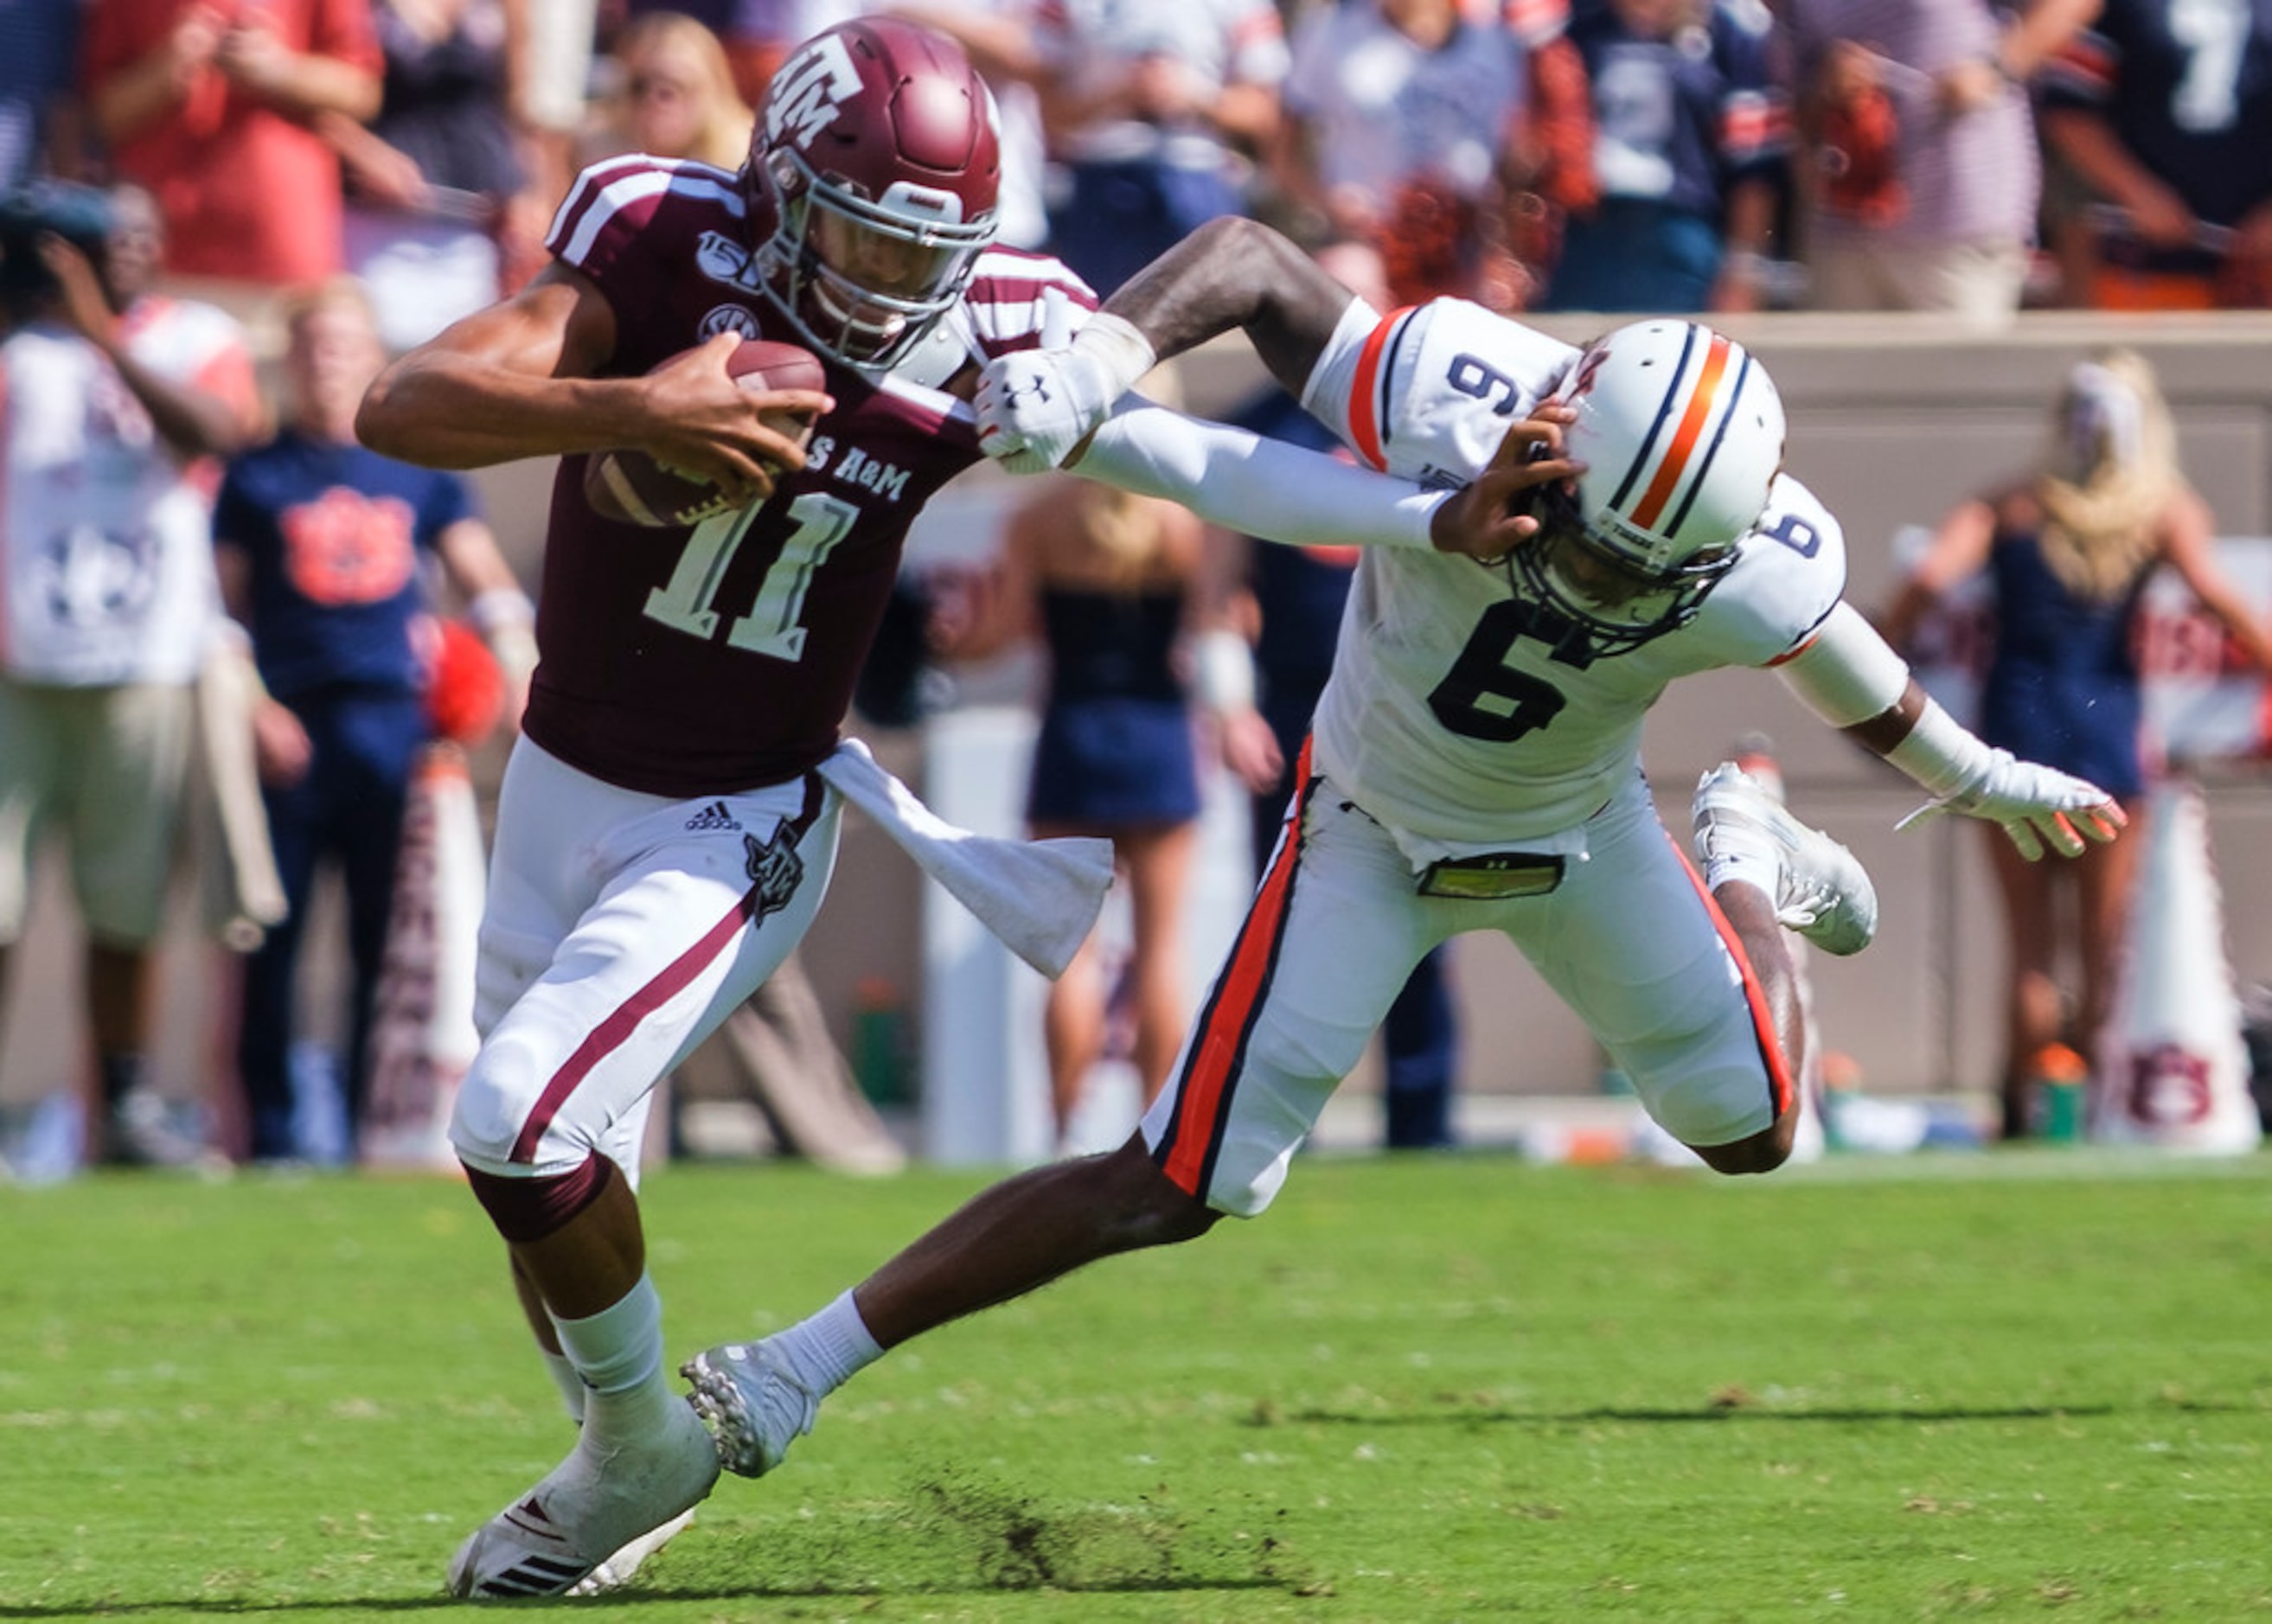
(690, 661)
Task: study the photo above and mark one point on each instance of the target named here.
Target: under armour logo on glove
(775, 870)
(1034, 406)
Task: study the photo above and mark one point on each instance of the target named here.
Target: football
(632, 488)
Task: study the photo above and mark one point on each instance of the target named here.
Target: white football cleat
(593, 1506)
(752, 1401)
(1825, 895)
(617, 1571)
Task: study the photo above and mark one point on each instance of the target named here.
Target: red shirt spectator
(209, 105)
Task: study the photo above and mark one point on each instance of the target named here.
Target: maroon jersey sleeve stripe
(583, 195)
(1006, 298)
(1007, 293)
(625, 199)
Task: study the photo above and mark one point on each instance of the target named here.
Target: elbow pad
(1847, 674)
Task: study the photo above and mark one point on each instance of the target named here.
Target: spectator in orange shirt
(211, 105)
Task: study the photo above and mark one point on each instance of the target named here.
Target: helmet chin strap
(825, 304)
(890, 331)
(1602, 633)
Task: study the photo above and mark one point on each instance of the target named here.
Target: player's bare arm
(1036, 409)
(1852, 677)
(1234, 272)
(523, 378)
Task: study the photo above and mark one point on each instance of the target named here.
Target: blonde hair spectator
(2109, 470)
(2067, 545)
(679, 100)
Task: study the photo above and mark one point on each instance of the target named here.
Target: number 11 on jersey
(818, 523)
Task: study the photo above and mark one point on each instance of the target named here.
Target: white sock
(1736, 852)
(564, 1377)
(827, 1349)
(618, 1354)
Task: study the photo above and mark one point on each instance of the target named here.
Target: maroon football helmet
(876, 156)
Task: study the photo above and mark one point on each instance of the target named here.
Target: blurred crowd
(1571, 154)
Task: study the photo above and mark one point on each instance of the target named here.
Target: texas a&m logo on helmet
(873, 168)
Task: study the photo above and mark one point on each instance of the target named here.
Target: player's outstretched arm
(1282, 492)
(1036, 406)
(1234, 272)
(1850, 677)
(521, 379)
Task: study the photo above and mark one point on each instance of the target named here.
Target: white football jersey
(106, 539)
(1461, 713)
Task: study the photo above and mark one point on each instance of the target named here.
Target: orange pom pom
(464, 690)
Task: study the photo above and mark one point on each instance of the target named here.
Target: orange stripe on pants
(1763, 1027)
(1220, 1040)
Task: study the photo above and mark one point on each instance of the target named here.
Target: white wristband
(229, 635)
(1941, 756)
(500, 606)
(1117, 345)
(506, 620)
(1222, 671)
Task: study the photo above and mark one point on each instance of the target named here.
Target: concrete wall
(1894, 420)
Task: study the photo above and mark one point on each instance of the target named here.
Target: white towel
(1040, 897)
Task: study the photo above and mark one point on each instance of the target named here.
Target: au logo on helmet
(1681, 433)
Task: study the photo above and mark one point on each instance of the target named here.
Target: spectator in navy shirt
(325, 550)
(1692, 131)
(2165, 112)
(41, 115)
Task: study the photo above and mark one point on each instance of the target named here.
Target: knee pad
(526, 1209)
(500, 1090)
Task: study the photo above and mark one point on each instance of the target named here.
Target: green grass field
(1996, 1387)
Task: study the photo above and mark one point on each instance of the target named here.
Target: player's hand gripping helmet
(1681, 433)
(876, 159)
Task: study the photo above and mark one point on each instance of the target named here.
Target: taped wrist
(1123, 353)
(1944, 758)
(506, 620)
(1222, 671)
(500, 605)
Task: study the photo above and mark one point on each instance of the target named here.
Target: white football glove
(2035, 804)
(1036, 406)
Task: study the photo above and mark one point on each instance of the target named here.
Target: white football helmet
(1682, 434)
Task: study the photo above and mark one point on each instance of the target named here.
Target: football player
(664, 833)
(1474, 766)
